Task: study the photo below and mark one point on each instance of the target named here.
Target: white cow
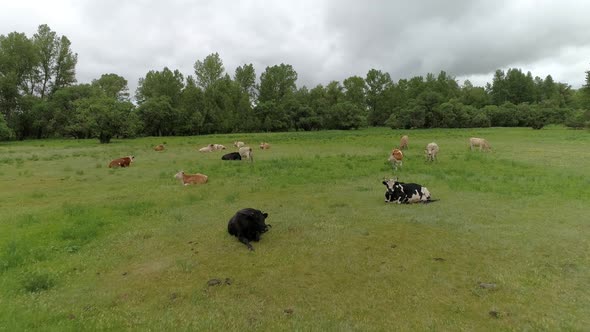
(431, 151)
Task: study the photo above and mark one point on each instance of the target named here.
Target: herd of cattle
(248, 224)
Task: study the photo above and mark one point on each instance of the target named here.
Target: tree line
(40, 98)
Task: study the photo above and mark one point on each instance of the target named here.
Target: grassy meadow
(85, 247)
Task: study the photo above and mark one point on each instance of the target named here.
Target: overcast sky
(322, 40)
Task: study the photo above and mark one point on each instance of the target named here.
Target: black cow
(247, 225)
(232, 156)
(406, 193)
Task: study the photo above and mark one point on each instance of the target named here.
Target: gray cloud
(323, 41)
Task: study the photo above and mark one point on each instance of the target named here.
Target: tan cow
(403, 142)
(395, 158)
(479, 142)
(187, 179)
(246, 153)
(239, 144)
(122, 162)
(218, 147)
(264, 146)
(208, 148)
(431, 151)
(159, 147)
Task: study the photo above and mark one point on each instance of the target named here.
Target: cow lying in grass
(159, 147)
(239, 144)
(187, 179)
(264, 146)
(232, 156)
(405, 193)
(208, 148)
(122, 162)
(247, 225)
(218, 147)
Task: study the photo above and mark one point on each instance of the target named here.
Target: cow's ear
(385, 183)
(265, 215)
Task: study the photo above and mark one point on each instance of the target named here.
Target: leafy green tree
(578, 120)
(45, 41)
(354, 91)
(158, 115)
(377, 82)
(113, 86)
(277, 82)
(209, 70)
(165, 83)
(17, 61)
(65, 65)
(191, 108)
(5, 132)
(474, 96)
(245, 76)
(585, 93)
(346, 115)
(105, 118)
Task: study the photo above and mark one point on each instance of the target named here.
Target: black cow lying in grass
(406, 193)
(247, 225)
(232, 156)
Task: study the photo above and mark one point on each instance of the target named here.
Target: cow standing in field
(246, 153)
(431, 151)
(122, 162)
(187, 179)
(247, 225)
(239, 144)
(232, 156)
(403, 142)
(159, 147)
(396, 158)
(264, 146)
(479, 142)
(208, 148)
(405, 193)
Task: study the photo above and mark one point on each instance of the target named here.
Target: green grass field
(85, 247)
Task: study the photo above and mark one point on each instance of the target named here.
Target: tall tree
(65, 65)
(209, 70)
(46, 42)
(113, 86)
(160, 83)
(277, 82)
(245, 76)
(354, 91)
(377, 82)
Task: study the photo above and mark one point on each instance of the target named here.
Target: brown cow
(264, 146)
(480, 142)
(122, 162)
(396, 158)
(159, 147)
(403, 142)
(187, 179)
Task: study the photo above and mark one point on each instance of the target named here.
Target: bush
(579, 119)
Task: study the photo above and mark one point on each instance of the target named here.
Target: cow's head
(261, 226)
(131, 158)
(179, 175)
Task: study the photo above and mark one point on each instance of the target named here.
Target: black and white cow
(405, 193)
(232, 156)
(247, 225)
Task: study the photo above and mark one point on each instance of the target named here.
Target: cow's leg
(246, 242)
